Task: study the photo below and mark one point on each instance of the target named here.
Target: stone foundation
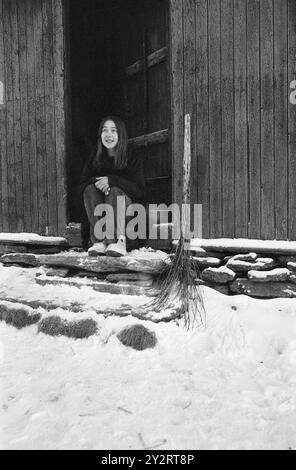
(227, 267)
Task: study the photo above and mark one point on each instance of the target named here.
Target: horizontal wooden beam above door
(159, 137)
(157, 178)
(152, 59)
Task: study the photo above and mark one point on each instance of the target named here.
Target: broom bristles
(178, 288)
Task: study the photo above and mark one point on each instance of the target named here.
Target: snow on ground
(229, 386)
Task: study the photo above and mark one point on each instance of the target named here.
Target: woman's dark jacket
(130, 179)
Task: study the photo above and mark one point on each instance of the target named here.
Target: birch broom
(178, 288)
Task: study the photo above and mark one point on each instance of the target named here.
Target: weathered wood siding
(32, 117)
(232, 64)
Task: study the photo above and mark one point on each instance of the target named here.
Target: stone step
(30, 239)
(106, 264)
(267, 290)
(275, 275)
(220, 275)
(100, 286)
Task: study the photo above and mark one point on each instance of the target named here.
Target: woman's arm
(132, 182)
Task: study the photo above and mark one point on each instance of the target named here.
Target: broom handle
(186, 180)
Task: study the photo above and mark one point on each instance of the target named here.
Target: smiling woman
(112, 176)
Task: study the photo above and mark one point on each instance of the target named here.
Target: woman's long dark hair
(120, 159)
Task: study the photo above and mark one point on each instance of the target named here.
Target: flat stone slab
(90, 274)
(21, 258)
(291, 265)
(100, 286)
(5, 249)
(206, 262)
(201, 253)
(123, 277)
(98, 264)
(222, 288)
(268, 290)
(245, 257)
(244, 245)
(60, 272)
(275, 275)
(260, 264)
(30, 239)
(220, 275)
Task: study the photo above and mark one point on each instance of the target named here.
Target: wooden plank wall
(32, 118)
(232, 64)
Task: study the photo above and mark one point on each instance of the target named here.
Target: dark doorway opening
(119, 65)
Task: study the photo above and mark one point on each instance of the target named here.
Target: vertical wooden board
(214, 31)
(177, 94)
(292, 119)
(4, 226)
(11, 180)
(31, 114)
(227, 108)
(267, 116)
(60, 121)
(51, 170)
(17, 132)
(134, 102)
(40, 118)
(25, 150)
(202, 114)
(254, 120)
(280, 119)
(241, 151)
(190, 92)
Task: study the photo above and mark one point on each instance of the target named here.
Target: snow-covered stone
(259, 265)
(218, 275)
(275, 275)
(206, 262)
(245, 245)
(263, 289)
(292, 277)
(292, 265)
(245, 257)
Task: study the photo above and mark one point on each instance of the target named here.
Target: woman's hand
(102, 184)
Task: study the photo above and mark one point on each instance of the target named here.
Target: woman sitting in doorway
(110, 172)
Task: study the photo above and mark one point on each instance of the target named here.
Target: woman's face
(109, 135)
